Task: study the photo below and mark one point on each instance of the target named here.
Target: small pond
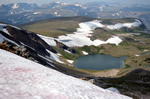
(99, 62)
(146, 53)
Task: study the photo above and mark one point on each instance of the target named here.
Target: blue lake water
(99, 62)
(146, 53)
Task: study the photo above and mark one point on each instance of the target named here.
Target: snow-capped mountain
(17, 8)
(54, 5)
(21, 7)
(18, 12)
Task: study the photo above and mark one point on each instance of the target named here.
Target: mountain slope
(21, 78)
(31, 46)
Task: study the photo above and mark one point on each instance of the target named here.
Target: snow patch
(45, 58)
(59, 54)
(67, 51)
(89, 26)
(57, 2)
(15, 6)
(116, 14)
(55, 12)
(137, 55)
(36, 12)
(101, 8)
(114, 40)
(70, 61)
(146, 50)
(50, 64)
(77, 4)
(120, 25)
(54, 57)
(3, 29)
(85, 53)
(15, 27)
(113, 90)
(24, 79)
(48, 40)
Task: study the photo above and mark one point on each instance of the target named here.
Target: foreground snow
(24, 79)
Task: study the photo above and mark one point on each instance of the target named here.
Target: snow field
(85, 53)
(81, 36)
(24, 79)
(70, 61)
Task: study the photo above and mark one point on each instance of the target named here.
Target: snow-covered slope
(24, 79)
(120, 25)
(81, 36)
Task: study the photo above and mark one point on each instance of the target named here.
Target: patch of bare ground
(107, 73)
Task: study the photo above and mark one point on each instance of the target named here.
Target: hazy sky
(72, 1)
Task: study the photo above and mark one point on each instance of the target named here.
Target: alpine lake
(99, 62)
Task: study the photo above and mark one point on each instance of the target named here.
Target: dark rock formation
(30, 39)
(64, 47)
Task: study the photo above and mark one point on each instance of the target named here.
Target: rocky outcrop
(64, 47)
(30, 39)
(23, 51)
(36, 38)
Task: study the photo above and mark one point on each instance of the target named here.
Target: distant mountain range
(21, 13)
